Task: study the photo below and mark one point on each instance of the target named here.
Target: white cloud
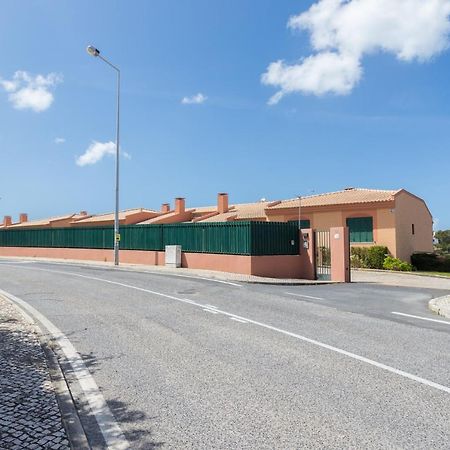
(194, 99)
(342, 32)
(96, 151)
(31, 92)
(59, 140)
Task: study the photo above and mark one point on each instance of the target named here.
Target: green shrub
(368, 257)
(376, 256)
(431, 262)
(391, 263)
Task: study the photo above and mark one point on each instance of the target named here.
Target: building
(396, 219)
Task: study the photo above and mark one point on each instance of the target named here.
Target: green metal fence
(234, 238)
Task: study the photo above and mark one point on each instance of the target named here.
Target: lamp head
(92, 50)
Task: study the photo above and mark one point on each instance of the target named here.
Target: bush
(368, 257)
(376, 256)
(391, 263)
(431, 262)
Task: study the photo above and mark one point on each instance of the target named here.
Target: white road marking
(371, 362)
(122, 269)
(211, 306)
(421, 318)
(238, 320)
(109, 428)
(306, 296)
(210, 311)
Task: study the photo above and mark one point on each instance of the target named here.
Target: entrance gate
(322, 253)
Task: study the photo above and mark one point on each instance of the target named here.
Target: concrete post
(340, 254)
(307, 257)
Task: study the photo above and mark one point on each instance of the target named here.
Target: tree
(443, 237)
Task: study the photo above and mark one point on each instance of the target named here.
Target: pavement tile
(29, 413)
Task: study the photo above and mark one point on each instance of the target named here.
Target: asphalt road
(192, 363)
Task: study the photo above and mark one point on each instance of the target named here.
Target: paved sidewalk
(29, 413)
(401, 279)
(200, 273)
(441, 306)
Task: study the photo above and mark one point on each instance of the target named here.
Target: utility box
(173, 256)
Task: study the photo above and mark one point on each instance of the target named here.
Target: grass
(443, 274)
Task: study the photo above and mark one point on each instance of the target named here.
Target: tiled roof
(346, 196)
(42, 222)
(242, 211)
(165, 216)
(110, 216)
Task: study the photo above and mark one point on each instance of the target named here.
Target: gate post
(307, 256)
(340, 254)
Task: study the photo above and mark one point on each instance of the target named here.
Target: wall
(412, 210)
(278, 266)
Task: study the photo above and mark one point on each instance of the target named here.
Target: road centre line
(421, 318)
(108, 426)
(303, 295)
(338, 350)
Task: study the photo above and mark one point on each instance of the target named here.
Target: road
(191, 363)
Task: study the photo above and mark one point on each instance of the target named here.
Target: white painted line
(211, 306)
(305, 296)
(421, 318)
(122, 269)
(210, 311)
(238, 320)
(109, 428)
(371, 362)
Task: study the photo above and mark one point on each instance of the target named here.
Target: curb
(162, 270)
(69, 415)
(399, 272)
(440, 306)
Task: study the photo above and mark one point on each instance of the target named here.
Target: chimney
(180, 205)
(165, 207)
(23, 218)
(83, 213)
(7, 221)
(222, 202)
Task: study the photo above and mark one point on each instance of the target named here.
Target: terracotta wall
(412, 210)
(279, 266)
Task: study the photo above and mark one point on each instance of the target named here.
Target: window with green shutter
(361, 229)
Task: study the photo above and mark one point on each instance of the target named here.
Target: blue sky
(381, 122)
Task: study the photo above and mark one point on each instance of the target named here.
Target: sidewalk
(163, 270)
(29, 413)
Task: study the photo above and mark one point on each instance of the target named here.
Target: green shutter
(361, 229)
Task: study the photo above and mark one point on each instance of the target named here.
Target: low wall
(277, 266)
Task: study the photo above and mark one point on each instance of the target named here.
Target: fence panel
(235, 238)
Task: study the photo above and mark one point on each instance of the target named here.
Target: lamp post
(299, 212)
(96, 53)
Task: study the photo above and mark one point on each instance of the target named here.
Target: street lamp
(299, 211)
(96, 53)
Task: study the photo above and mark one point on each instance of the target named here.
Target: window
(361, 229)
(304, 223)
(412, 229)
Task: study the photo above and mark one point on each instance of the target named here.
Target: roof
(346, 196)
(242, 211)
(165, 216)
(110, 216)
(43, 222)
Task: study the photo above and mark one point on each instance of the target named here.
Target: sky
(257, 98)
